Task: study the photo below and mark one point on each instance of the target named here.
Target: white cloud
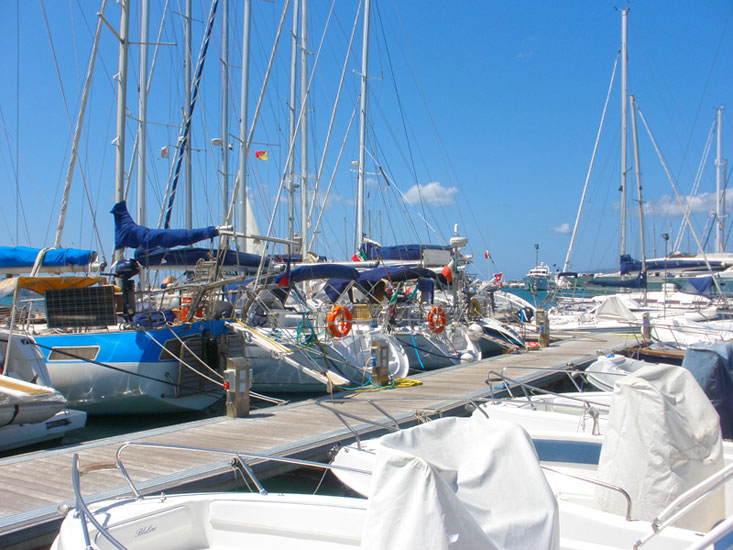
(433, 194)
(669, 205)
(563, 229)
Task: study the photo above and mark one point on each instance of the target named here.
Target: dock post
(380, 363)
(543, 327)
(236, 384)
(646, 327)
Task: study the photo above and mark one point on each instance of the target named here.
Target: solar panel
(91, 307)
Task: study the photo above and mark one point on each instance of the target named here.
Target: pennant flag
(447, 272)
(164, 152)
(360, 256)
(283, 280)
(261, 155)
(486, 254)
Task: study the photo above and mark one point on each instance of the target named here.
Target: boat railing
(239, 461)
(687, 502)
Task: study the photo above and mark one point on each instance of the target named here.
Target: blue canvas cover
(712, 366)
(634, 282)
(702, 286)
(128, 234)
(186, 257)
(395, 274)
(310, 272)
(628, 264)
(23, 256)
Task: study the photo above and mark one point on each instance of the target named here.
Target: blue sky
(482, 114)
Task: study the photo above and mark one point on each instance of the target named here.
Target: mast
(719, 187)
(142, 113)
(243, 122)
(304, 127)
(121, 103)
(362, 130)
(624, 96)
(187, 101)
(291, 123)
(638, 181)
(77, 130)
(225, 108)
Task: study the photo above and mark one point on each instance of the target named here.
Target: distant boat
(539, 278)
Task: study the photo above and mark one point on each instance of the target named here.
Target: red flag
(447, 272)
(261, 155)
(164, 152)
(498, 277)
(284, 280)
(486, 254)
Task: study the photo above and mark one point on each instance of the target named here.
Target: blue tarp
(128, 234)
(317, 271)
(699, 285)
(23, 256)
(186, 257)
(403, 252)
(712, 366)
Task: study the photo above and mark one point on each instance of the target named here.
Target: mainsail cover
(25, 257)
(128, 234)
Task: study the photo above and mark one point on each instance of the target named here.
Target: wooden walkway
(36, 484)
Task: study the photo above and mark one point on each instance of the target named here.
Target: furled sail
(128, 234)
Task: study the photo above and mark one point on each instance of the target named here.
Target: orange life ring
(533, 345)
(339, 321)
(436, 320)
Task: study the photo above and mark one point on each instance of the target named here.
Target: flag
(498, 277)
(486, 254)
(284, 280)
(360, 256)
(262, 155)
(447, 272)
(164, 152)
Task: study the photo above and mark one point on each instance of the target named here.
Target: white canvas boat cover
(460, 483)
(662, 438)
(613, 309)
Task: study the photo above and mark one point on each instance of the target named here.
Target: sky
(482, 114)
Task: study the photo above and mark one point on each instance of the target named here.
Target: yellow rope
(396, 383)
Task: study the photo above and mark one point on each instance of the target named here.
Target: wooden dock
(36, 485)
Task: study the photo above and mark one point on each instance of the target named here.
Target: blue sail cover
(699, 285)
(394, 274)
(712, 366)
(403, 252)
(128, 234)
(635, 282)
(316, 271)
(23, 256)
(628, 264)
(186, 257)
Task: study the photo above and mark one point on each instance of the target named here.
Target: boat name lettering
(145, 530)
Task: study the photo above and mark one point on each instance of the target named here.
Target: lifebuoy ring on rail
(533, 345)
(339, 321)
(436, 320)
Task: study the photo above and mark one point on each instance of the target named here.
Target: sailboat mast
(187, 92)
(121, 104)
(304, 127)
(291, 123)
(638, 181)
(624, 99)
(362, 130)
(225, 109)
(142, 113)
(243, 123)
(719, 188)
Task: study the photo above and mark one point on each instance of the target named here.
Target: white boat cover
(460, 483)
(22, 402)
(613, 309)
(662, 438)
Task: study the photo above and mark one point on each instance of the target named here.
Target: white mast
(142, 113)
(243, 122)
(77, 130)
(638, 181)
(225, 108)
(291, 125)
(362, 130)
(121, 104)
(624, 99)
(719, 188)
(304, 127)
(187, 102)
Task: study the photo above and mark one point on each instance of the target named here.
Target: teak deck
(36, 484)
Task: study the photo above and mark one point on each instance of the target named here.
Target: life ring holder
(436, 319)
(339, 321)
